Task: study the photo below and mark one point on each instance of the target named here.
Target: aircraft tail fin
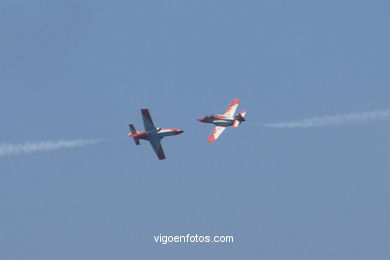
(243, 113)
(134, 131)
(239, 118)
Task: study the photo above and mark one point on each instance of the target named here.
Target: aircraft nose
(201, 119)
(179, 131)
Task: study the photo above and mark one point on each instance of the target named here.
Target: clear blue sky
(83, 69)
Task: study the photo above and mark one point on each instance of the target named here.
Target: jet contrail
(29, 147)
(336, 120)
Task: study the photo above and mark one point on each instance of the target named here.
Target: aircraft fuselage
(159, 133)
(218, 120)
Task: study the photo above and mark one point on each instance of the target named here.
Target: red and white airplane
(225, 120)
(152, 134)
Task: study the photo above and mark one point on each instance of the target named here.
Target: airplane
(152, 134)
(225, 120)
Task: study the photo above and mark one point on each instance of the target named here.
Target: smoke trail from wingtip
(336, 120)
(32, 147)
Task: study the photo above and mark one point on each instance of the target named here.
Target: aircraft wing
(148, 122)
(232, 108)
(156, 144)
(216, 133)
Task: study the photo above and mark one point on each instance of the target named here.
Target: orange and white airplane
(225, 120)
(152, 134)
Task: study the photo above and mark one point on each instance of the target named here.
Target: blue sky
(83, 69)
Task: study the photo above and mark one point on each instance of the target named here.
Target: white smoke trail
(26, 148)
(336, 120)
